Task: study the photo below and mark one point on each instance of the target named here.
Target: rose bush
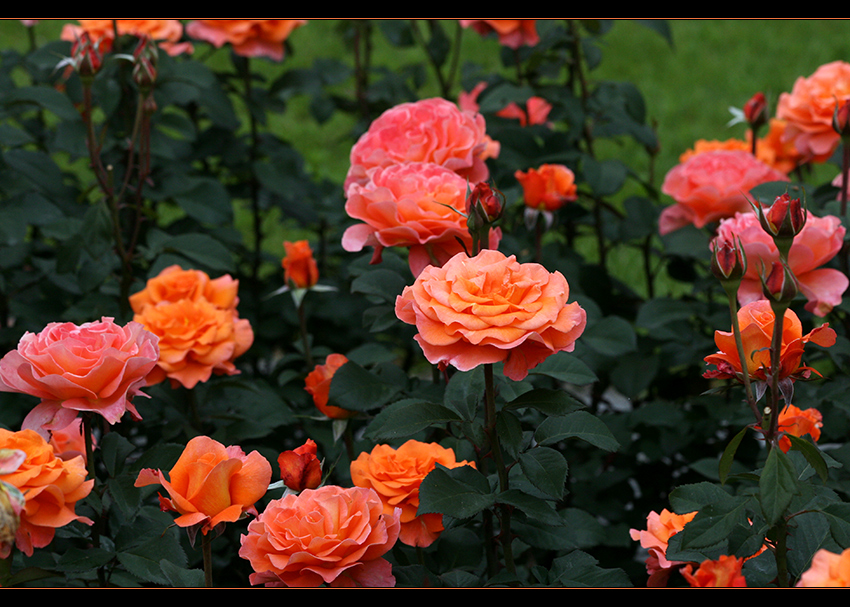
(415, 205)
(329, 535)
(817, 243)
(430, 130)
(96, 367)
(712, 186)
(248, 37)
(395, 475)
(490, 308)
(52, 487)
(211, 484)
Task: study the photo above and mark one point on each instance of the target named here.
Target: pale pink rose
(712, 186)
(816, 244)
(828, 570)
(430, 130)
(417, 205)
(97, 367)
(808, 110)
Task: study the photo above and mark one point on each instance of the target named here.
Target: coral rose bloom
(809, 108)
(416, 205)
(512, 33)
(211, 484)
(548, 187)
(490, 308)
(395, 475)
(167, 32)
(659, 529)
(248, 37)
(299, 267)
(817, 243)
(52, 488)
(318, 384)
(174, 284)
(430, 130)
(756, 323)
(828, 570)
(711, 186)
(329, 535)
(725, 572)
(798, 422)
(197, 339)
(97, 367)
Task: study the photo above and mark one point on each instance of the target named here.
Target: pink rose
(512, 33)
(430, 130)
(817, 243)
(711, 186)
(416, 205)
(97, 367)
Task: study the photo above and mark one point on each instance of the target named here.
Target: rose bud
(300, 468)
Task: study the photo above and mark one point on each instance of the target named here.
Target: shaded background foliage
(233, 173)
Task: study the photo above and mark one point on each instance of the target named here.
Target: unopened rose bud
(780, 286)
(145, 59)
(841, 118)
(783, 221)
(488, 199)
(755, 111)
(300, 468)
(85, 56)
(728, 261)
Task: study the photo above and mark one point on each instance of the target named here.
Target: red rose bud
(728, 261)
(783, 221)
(85, 56)
(300, 469)
(755, 111)
(488, 199)
(780, 286)
(145, 59)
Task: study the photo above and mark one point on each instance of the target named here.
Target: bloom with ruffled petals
(725, 572)
(395, 475)
(173, 284)
(828, 570)
(490, 308)
(512, 33)
(329, 535)
(211, 484)
(248, 37)
(816, 244)
(659, 529)
(52, 487)
(756, 323)
(97, 367)
(430, 130)
(167, 32)
(798, 422)
(712, 186)
(417, 205)
(318, 384)
(548, 187)
(809, 108)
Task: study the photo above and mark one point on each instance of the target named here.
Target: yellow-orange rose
(52, 488)
(490, 308)
(395, 475)
(248, 37)
(174, 283)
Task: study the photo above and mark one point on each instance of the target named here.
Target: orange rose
(300, 468)
(197, 339)
(536, 109)
(299, 267)
(828, 570)
(798, 422)
(512, 33)
(12, 501)
(328, 535)
(548, 187)
(711, 186)
(97, 367)
(196, 320)
(211, 484)
(808, 110)
(248, 37)
(174, 284)
(725, 572)
(429, 130)
(52, 488)
(490, 308)
(659, 529)
(756, 323)
(318, 384)
(814, 246)
(770, 149)
(165, 31)
(417, 205)
(395, 475)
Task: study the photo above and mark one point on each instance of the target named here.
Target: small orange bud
(300, 468)
(299, 267)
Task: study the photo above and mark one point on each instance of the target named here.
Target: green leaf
(356, 389)
(115, 449)
(546, 469)
(206, 200)
(550, 402)
(407, 417)
(777, 486)
(728, 456)
(713, 524)
(202, 249)
(533, 507)
(611, 336)
(180, 577)
(144, 560)
(605, 177)
(511, 436)
(465, 392)
(580, 424)
(812, 455)
(838, 516)
(383, 285)
(580, 570)
(461, 492)
(566, 368)
(689, 498)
